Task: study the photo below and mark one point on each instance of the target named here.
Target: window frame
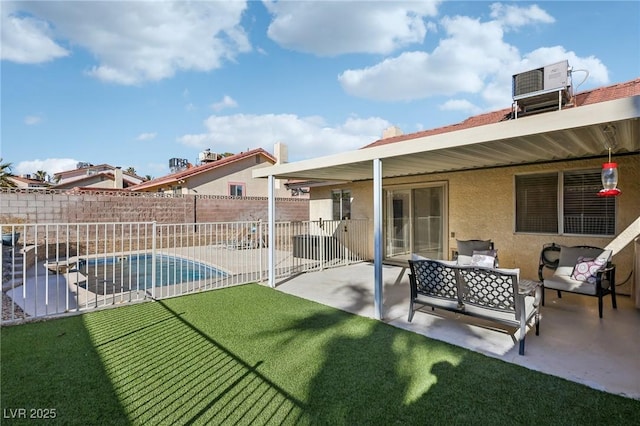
(232, 185)
(562, 185)
(342, 193)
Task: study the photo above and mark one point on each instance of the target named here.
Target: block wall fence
(38, 206)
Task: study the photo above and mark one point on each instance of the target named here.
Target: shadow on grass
(142, 364)
(251, 355)
(165, 370)
(52, 372)
(366, 372)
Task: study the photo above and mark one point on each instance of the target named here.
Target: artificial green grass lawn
(252, 355)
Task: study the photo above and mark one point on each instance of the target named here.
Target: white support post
(377, 236)
(271, 250)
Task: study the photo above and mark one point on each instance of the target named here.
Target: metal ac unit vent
(178, 164)
(550, 77)
(528, 82)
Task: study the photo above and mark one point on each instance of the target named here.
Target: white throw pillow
(464, 260)
(483, 260)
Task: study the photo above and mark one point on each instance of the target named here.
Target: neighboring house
(88, 176)
(522, 177)
(26, 181)
(227, 176)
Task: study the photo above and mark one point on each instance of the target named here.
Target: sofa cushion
(415, 256)
(586, 269)
(492, 253)
(466, 248)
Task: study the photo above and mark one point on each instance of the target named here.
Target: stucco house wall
(217, 181)
(481, 205)
(94, 181)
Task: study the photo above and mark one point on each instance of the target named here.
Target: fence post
(260, 245)
(153, 260)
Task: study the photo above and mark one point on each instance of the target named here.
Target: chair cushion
(586, 269)
(569, 258)
(566, 283)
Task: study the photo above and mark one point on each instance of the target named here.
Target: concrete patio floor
(573, 343)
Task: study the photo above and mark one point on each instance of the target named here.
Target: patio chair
(583, 270)
(466, 249)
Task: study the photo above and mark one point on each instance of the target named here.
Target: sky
(136, 83)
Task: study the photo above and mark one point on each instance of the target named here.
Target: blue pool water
(135, 270)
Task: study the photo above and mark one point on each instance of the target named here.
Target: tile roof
(195, 170)
(93, 167)
(601, 94)
(24, 180)
(29, 182)
(100, 168)
(107, 175)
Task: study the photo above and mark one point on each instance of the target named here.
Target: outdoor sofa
(484, 292)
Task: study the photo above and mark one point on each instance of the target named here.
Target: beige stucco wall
(216, 181)
(96, 181)
(482, 206)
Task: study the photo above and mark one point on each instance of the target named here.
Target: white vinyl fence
(52, 269)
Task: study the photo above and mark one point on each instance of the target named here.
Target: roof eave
(540, 124)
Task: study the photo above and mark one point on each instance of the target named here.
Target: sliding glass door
(415, 221)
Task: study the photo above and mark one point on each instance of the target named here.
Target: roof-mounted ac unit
(178, 164)
(550, 77)
(207, 156)
(542, 88)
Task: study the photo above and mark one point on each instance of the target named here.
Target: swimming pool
(130, 272)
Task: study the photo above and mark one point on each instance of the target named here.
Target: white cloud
(226, 102)
(146, 136)
(472, 59)
(597, 71)
(32, 120)
(460, 105)
(27, 39)
(306, 137)
(141, 41)
(516, 16)
(49, 165)
(333, 28)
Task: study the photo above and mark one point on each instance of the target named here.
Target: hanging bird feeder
(609, 169)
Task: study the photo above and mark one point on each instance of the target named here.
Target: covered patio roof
(558, 135)
(572, 133)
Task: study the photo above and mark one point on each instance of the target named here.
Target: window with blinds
(542, 199)
(584, 212)
(537, 203)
